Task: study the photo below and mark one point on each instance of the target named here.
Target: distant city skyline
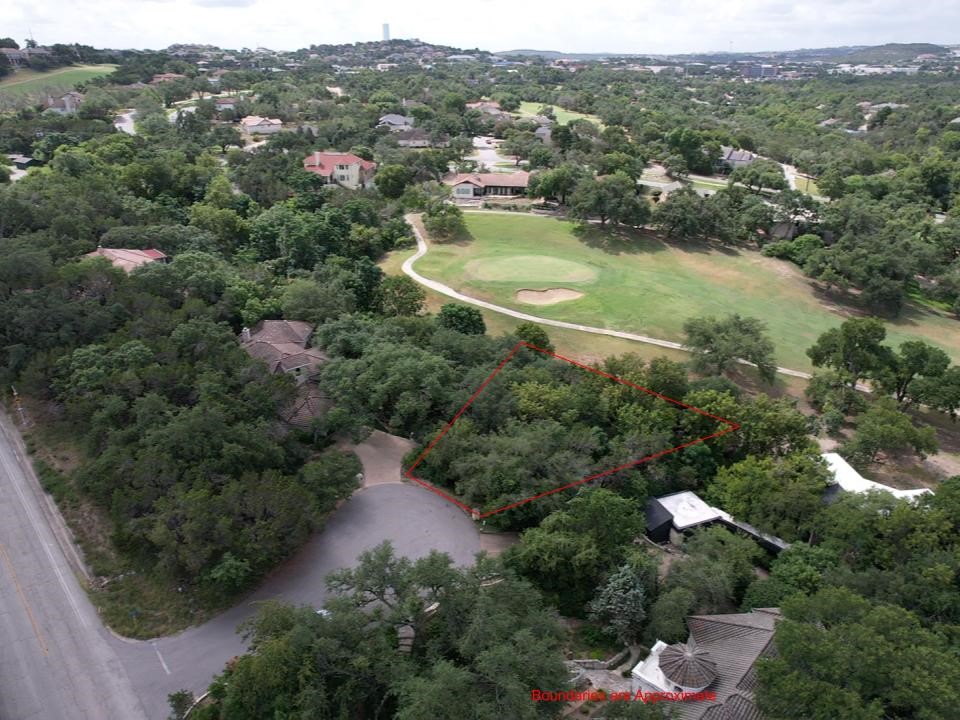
(496, 25)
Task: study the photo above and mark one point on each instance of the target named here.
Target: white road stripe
(160, 658)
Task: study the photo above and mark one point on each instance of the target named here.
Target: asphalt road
(414, 519)
(54, 659)
(57, 660)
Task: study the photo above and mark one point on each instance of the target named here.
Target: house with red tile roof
(467, 186)
(127, 259)
(338, 168)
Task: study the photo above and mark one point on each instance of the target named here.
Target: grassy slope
(27, 82)
(650, 287)
(563, 116)
(580, 346)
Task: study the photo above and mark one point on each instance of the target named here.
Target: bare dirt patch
(550, 296)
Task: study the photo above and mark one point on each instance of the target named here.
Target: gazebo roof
(687, 666)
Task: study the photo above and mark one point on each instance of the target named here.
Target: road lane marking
(23, 598)
(160, 658)
(36, 527)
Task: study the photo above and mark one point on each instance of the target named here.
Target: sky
(627, 26)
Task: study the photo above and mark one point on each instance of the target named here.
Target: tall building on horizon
(386, 31)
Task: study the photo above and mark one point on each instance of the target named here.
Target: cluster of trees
(917, 373)
(480, 640)
(871, 611)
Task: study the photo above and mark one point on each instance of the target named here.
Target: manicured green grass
(30, 82)
(580, 346)
(562, 116)
(638, 283)
(808, 186)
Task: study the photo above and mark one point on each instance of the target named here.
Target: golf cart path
(423, 248)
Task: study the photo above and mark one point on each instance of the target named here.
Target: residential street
(87, 672)
(55, 661)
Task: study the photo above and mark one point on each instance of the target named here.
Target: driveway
(58, 661)
(414, 520)
(124, 122)
(486, 151)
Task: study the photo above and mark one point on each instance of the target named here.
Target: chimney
(245, 334)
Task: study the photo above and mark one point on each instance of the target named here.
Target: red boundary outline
(477, 515)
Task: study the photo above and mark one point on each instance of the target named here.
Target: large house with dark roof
(284, 346)
(720, 657)
(731, 158)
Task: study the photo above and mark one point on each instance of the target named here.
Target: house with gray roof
(718, 657)
(284, 346)
(395, 123)
(731, 158)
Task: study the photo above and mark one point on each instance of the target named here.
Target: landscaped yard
(31, 82)
(562, 116)
(641, 284)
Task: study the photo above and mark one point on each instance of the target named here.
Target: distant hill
(556, 55)
(891, 53)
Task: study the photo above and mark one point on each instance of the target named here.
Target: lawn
(638, 283)
(807, 185)
(562, 116)
(31, 82)
(580, 346)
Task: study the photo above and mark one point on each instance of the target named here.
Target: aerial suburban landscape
(379, 378)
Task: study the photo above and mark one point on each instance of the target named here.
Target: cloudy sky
(655, 26)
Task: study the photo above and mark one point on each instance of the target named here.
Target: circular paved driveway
(415, 520)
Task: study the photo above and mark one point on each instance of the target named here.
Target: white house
(847, 478)
(256, 125)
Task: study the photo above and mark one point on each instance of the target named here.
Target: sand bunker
(548, 296)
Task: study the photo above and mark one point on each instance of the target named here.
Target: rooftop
(325, 163)
(688, 509)
(850, 480)
(127, 259)
(518, 179)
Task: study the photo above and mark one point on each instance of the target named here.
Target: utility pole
(19, 406)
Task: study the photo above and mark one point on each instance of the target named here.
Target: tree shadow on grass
(618, 240)
(461, 239)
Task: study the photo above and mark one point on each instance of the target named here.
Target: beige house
(467, 186)
(344, 169)
(65, 104)
(256, 125)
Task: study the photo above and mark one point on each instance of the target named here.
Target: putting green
(529, 268)
(639, 283)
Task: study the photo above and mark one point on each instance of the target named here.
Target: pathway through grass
(640, 284)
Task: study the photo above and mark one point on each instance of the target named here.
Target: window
(343, 167)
